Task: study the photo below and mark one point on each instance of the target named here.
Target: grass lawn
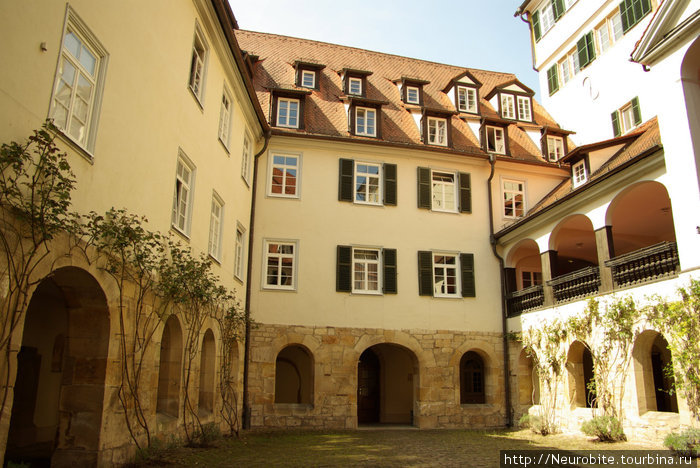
(375, 448)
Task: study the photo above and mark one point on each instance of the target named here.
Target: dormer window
(437, 131)
(508, 106)
(555, 148)
(627, 117)
(288, 112)
(308, 79)
(495, 141)
(412, 95)
(466, 99)
(524, 108)
(365, 121)
(579, 174)
(288, 107)
(355, 86)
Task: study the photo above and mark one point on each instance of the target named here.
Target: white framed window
(530, 278)
(546, 17)
(365, 121)
(216, 226)
(79, 82)
(524, 109)
(308, 79)
(280, 264)
(287, 112)
(412, 95)
(246, 156)
(437, 131)
(495, 140)
(568, 4)
(569, 66)
(225, 118)
(555, 148)
(507, 106)
(445, 275)
(578, 172)
(285, 171)
(444, 191)
(609, 31)
(466, 99)
(366, 271)
(184, 194)
(513, 198)
(627, 118)
(239, 258)
(198, 65)
(354, 86)
(368, 178)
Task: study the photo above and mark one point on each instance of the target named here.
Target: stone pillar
(549, 271)
(606, 251)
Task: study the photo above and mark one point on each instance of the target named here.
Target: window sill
(367, 203)
(437, 210)
(278, 288)
(366, 293)
(448, 297)
(287, 197)
(226, 148)
(214, 259)
(180, 233)
(238, 279)
(196, 98)
(87, 155)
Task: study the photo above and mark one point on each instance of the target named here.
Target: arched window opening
(294, 376)
(472, 379)
(168, 398)
(207, 374)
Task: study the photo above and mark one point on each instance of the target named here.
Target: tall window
(365, 267)
(445, 275)
(367, 183)
(609, 31)
(246, 157)
(182, 200)
(284, 175)
(471, 376)
(466, 98)
(437, 131)
(280, 265)
(365, 121)
(225, 118)
(513, 198)
(79, 81)
(198, 64)
(495, 140)
(444, 191)
(524, 111)
(555, 148)
(215, 227)
(239, 260)
(507, 106)
(287, 112)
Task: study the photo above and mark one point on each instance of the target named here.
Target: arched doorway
(652, 362)
(207, 374)
(579, 366)
(528, 380)
(59, 388)
(294, 376)
(169, 372)
(387, 379)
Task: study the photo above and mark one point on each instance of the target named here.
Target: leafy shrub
(605, 428)
(685, 443)
(535, 423)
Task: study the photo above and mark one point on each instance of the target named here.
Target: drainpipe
(506, 354)
(248, 283)
(525, 18)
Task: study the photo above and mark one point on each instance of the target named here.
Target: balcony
(643, 265)
(575, 285)
(524, 300)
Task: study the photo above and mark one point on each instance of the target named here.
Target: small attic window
(555, 148)
(579, 175)
(355, 86)
(307, 74)
(466, 99)
(355, 81)
(308, 79)
(412, 95)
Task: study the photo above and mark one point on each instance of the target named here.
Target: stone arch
(61, 367)
(489, 369)
(650, 357)
(579, 367)
(523, 259)
(573, 240)
(207, 374)
(528, 380)
(387, 384)
(690, 77)
(294, 375)
(170, 369)
(472, 377)
(640, 216)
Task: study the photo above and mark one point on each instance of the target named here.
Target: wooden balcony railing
(575, 285)
(524, 300)
(645, 264)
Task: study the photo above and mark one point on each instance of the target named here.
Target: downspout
(506, 354)
(248, 284)
(524, 17)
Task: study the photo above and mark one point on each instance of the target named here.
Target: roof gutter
(504, 324)
(248, 283)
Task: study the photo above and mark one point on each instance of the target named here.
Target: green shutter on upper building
(636, 111)
(466, 262)
(585, 48)
(632, 12)
(424, 188)
(345, 183)
(425, 273)
(390, 184)
(465, 192)
(343, 268)
(553, 79)
(536, 25)
(616, 123)
(389, 271)
(558, 8)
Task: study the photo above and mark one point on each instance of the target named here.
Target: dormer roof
(511, 86)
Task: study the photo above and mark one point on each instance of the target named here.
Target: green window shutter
(389, 273)
(624, 8)
(536, 25)
(424, 188)
(616, 123)
(390, 184)
(466, 262)
(636, 111)
(590, 46)
(345, 183)
(343, 270)
(425, 273)
(553, 79)
(465, 192)
(585, 48)
(558, 7)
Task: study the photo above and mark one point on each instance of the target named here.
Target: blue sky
(469, 33)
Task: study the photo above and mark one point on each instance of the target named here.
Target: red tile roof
(325, 114)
